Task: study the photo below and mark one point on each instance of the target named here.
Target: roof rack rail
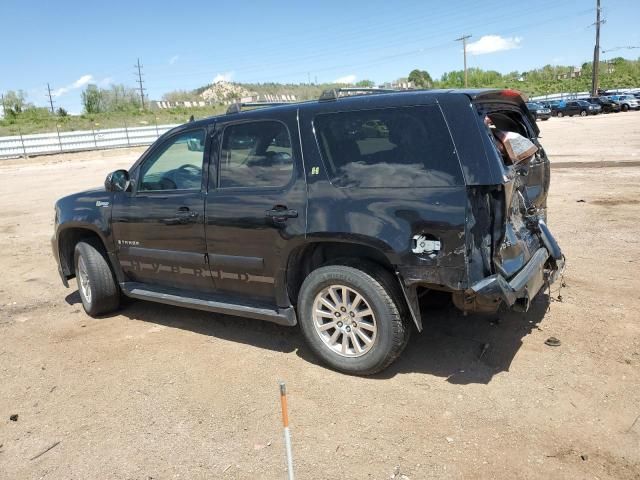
(238, 106)
(335, 93)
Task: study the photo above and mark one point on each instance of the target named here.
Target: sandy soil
(157, 392)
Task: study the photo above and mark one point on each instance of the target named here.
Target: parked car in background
(626, 102)
(578, 107)
(553, 105)
(539, 111)
(607, 105)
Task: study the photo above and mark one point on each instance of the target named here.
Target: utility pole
(4, 109)
(50, 99)
(596, 53)
(142, 89)
(463, 39)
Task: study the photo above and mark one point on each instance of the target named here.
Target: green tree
(421, 78)
(92, 99)
(14, 103)
(119, 98)
(181, 96)
(365, 84)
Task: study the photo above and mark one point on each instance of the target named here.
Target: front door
(256, 206)
(159, 226)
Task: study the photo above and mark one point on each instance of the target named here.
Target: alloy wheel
(344, 321)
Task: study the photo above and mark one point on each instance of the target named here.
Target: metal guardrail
(60, 142)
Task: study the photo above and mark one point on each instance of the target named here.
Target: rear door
(256, 205)
(159, 226)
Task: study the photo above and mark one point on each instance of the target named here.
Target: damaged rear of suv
(437, 195)
(337, 215)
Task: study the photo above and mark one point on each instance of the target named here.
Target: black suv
(578, 107)
(338, 215)
(540, 111)
(606, 105)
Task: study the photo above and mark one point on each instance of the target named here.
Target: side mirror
(117, 181)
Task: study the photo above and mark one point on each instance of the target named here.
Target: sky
(185, 45)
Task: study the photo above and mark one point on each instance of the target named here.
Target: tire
(387, 327)
(545, 119)
(583, 113)
(97, 286)
(559, 114)
(625, 108)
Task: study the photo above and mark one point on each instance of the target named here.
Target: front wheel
(98, 289)
(560, 114)
(583, 113)
(353, 319)
(625, 108)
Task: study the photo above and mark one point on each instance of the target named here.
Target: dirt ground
(157, 392)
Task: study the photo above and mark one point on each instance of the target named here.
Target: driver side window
(176, 166)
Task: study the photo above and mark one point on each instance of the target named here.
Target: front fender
(75, 214)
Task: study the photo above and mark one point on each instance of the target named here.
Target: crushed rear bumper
(543, 268)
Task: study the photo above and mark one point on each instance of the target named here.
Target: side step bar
(209, 303)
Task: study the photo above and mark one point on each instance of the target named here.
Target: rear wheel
(97, 286)
(353, 319)
(560, 114)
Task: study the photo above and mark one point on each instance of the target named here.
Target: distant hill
(226, 92)
(613, 73)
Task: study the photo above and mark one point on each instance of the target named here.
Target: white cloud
(79, 83)
(223, 77)
(174, 59)
(82, 81)
(493, 43)
(346, 79)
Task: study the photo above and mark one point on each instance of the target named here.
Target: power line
(628, 47)
(464, 50)
(142, 89)
(50, 98)
(350, 47)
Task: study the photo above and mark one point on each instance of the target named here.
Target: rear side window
(256, 154)
(392, 147)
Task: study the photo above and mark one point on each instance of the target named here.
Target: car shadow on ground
(234, 329)
(462, 349)
(468, 349)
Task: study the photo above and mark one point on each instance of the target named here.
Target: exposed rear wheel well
(67, 243)
(310, 257)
